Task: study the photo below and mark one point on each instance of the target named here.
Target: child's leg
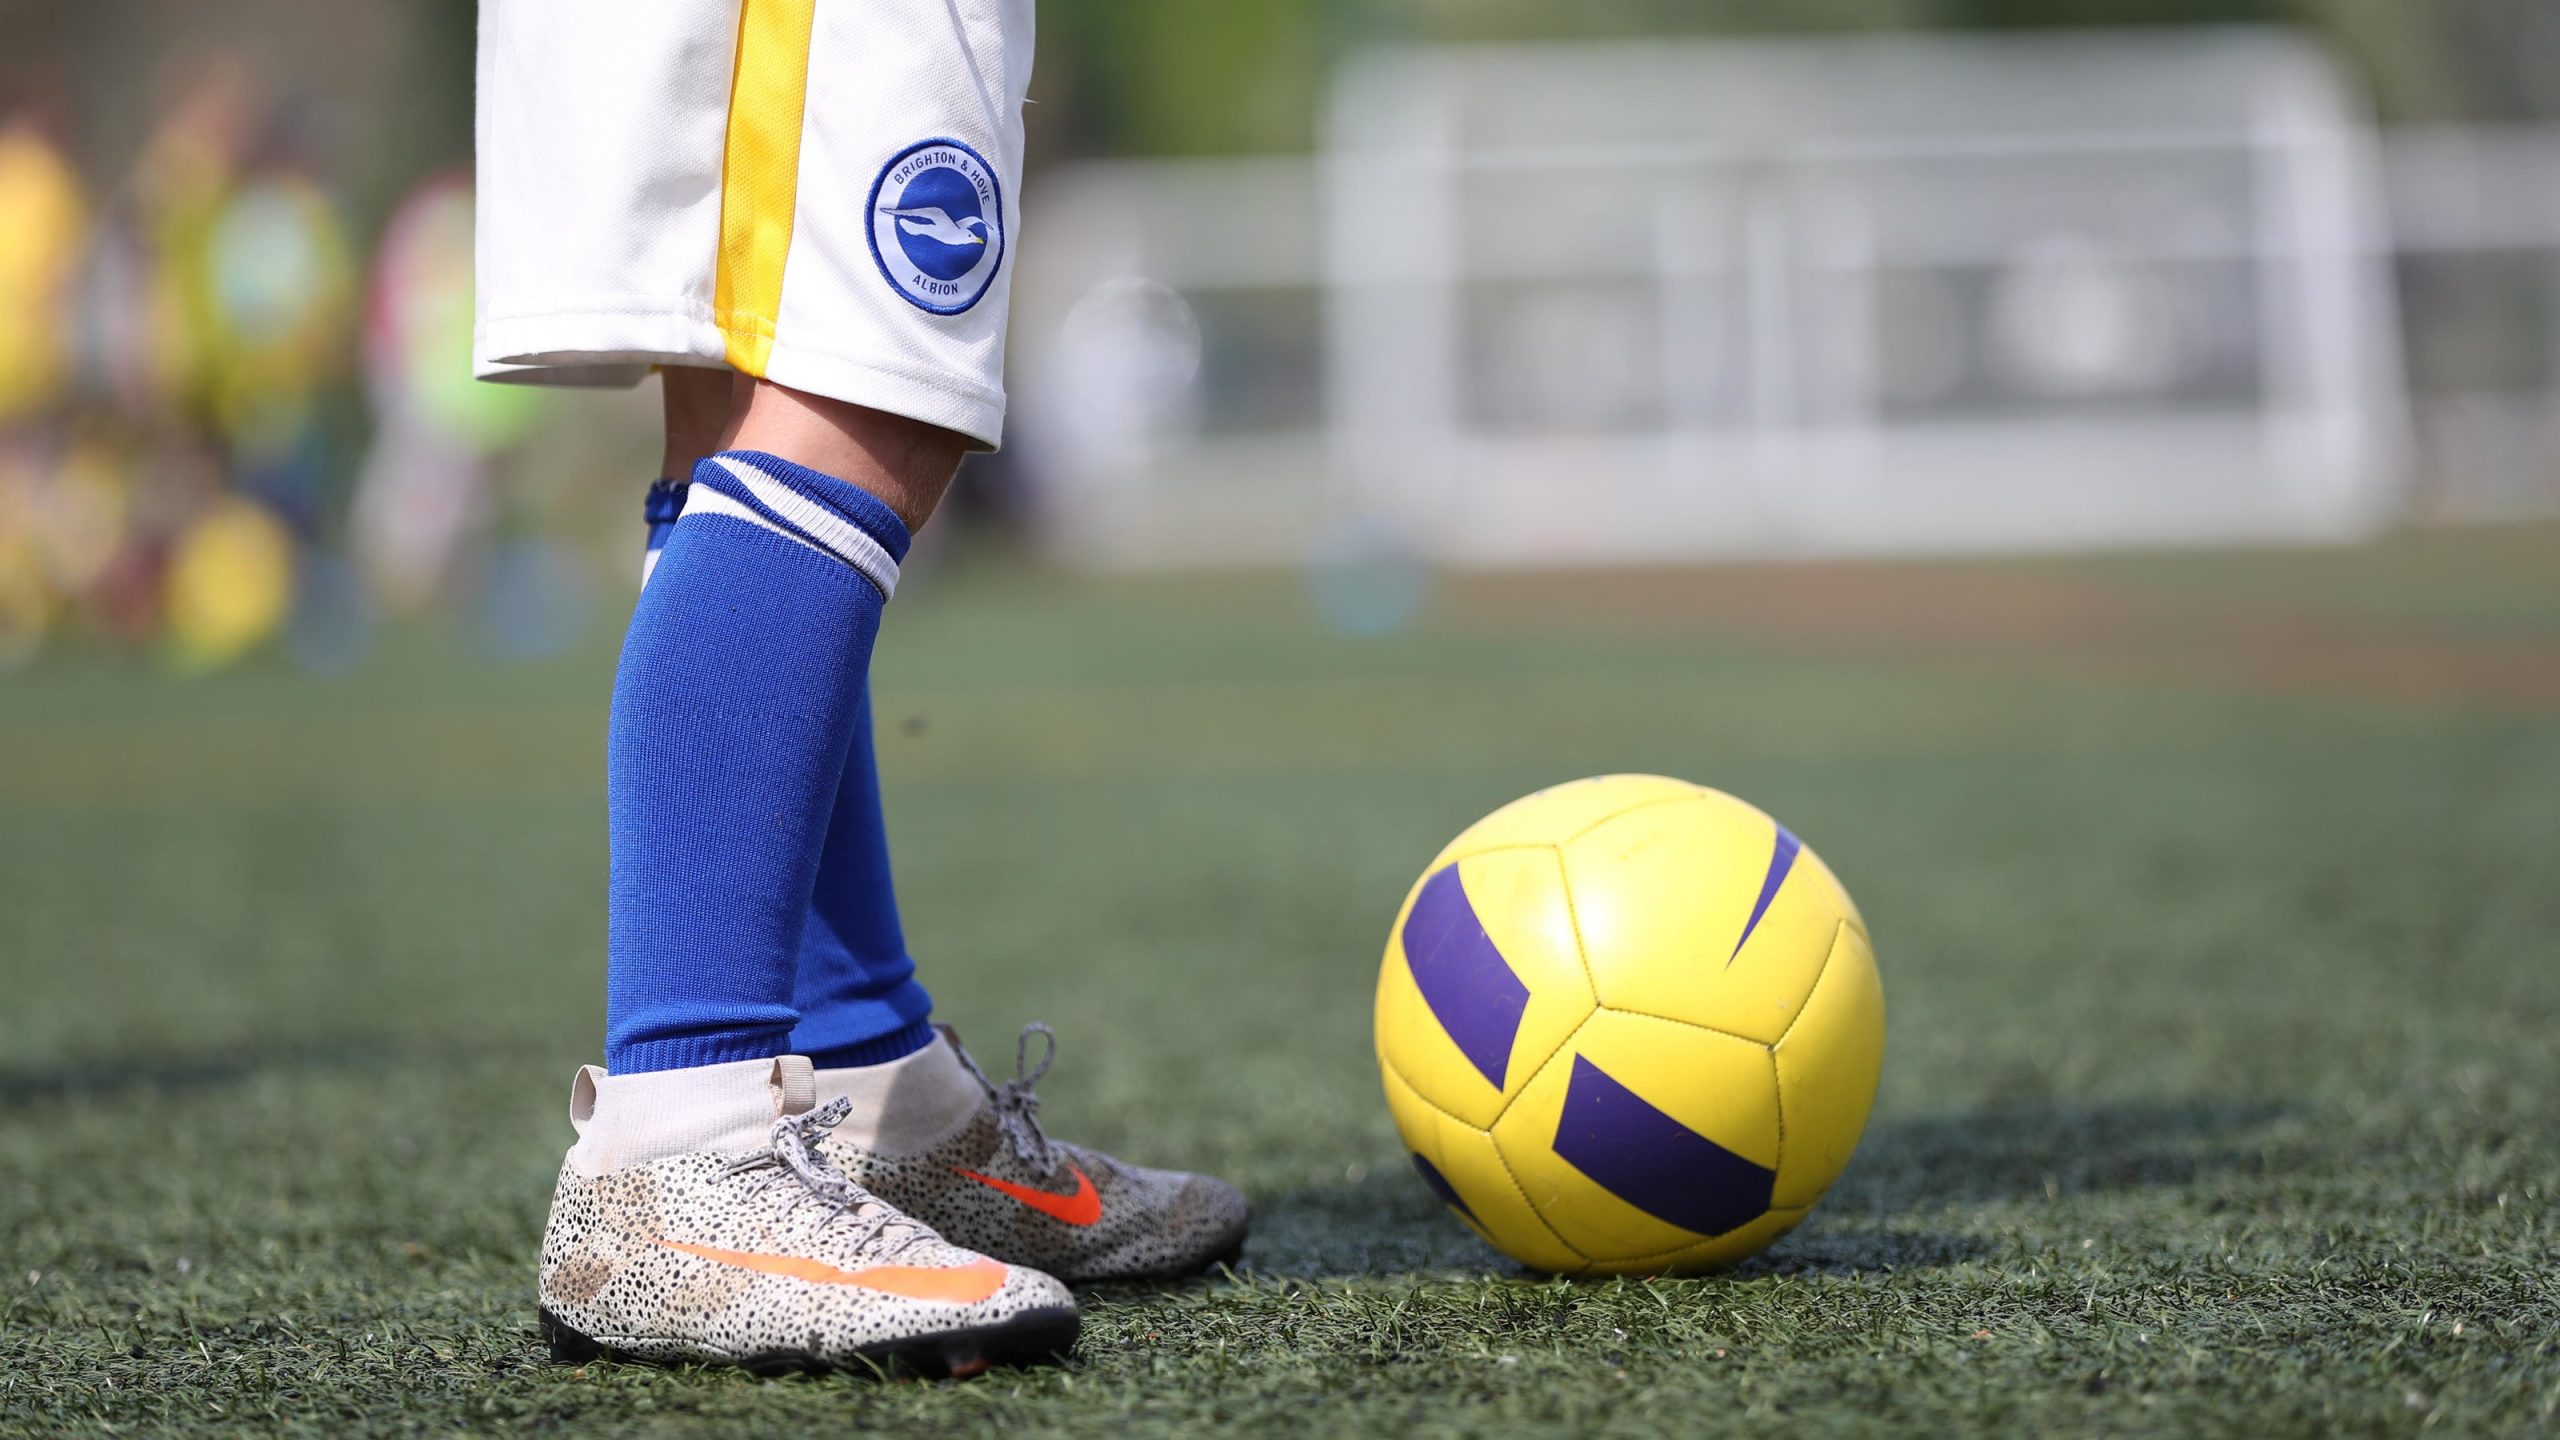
(858, 998)
(752, 187)
(701, 405)
(739, 699)
(856, 994)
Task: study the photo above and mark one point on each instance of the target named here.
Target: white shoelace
(1017, 1105)
(795, 1154)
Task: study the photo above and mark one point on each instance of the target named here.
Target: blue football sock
(666, 502)
(738, 700)
(858, 997)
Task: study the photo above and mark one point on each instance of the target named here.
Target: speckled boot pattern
(692, 1258)
(1133, 1224)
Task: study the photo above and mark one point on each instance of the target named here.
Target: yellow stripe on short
(760, 174)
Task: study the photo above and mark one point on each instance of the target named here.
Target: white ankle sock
(626, 1120)
(908, 1105)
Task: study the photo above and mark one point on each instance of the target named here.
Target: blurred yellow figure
(1629, 1025)
(186, 172)
(44, 223)
(230, 583)
(280, 277)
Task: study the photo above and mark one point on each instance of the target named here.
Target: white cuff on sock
(908, 1105)
(626, 1120)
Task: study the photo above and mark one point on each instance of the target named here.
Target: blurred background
(1342, 288)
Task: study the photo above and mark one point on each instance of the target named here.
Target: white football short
(821, 193)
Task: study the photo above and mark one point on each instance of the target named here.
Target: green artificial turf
(2215, 898)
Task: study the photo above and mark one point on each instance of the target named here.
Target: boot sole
(1034, 1337)
(1227, 1258)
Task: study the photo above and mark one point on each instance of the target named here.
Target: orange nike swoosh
(1082, 1208)
(960, 1284)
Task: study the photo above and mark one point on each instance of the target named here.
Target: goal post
(1646, 302)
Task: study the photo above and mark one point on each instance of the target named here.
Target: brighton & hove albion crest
(937, 225)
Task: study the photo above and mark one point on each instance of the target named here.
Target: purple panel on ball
(1654, 1162)
(1471, 990)
(1782, 858)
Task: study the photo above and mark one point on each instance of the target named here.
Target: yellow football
(1629, 1025)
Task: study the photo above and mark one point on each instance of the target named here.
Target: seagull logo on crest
(935, 223)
